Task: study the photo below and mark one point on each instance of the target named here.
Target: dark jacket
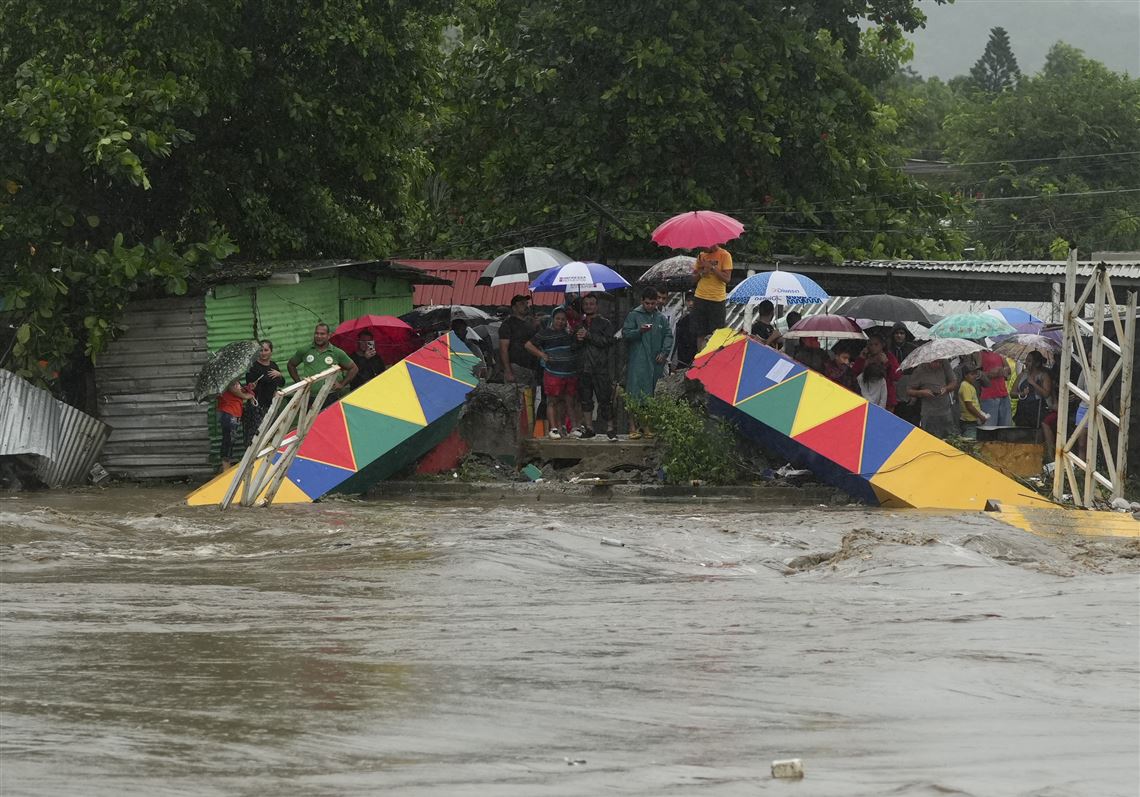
(598, 347)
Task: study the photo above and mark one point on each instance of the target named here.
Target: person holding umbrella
(705, 230)
(559, 352)
(230, 402)
(596, 380)
(933, 384)
(713, 271)
(368, 363)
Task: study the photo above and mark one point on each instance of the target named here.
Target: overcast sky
(955, 35)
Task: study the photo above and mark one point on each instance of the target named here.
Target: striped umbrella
(782, 287)
(579, 277)
(521, 265)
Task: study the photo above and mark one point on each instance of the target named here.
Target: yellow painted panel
(392, 394)
(927, 473)
(1057, 521)
(212, 492)
(821, 401)
(719, 339)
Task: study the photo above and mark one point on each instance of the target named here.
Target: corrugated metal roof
(1045, 268)
(463, 290)
(262, 270)
(146, 381)
(65, 441)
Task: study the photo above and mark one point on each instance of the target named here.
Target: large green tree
(141, 142)
(996, 70)
(1054, 161)
(755, 108)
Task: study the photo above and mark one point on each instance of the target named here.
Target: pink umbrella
(826, 326)
(696, 229)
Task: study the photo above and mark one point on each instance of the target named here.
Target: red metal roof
(463, 290)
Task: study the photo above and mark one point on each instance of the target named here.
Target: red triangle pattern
(840, 439)
(328, 441)
(719, 371)
(435, 356)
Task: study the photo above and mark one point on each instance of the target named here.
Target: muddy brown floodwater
(431, 647)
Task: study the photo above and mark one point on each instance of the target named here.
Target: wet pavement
(444, 647)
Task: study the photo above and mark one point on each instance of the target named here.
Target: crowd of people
(576, 359)
(942, 397)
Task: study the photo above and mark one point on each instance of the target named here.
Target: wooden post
(1071, 337)
(1128, 360)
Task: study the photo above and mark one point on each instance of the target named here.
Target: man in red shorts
(559, 352)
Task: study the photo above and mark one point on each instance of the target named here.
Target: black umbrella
(675, 273)
(884, 307)
(228, 364)
(440, 316)
(521, 265)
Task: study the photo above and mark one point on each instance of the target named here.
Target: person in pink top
(995, 392)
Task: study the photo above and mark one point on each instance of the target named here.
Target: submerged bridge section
(385, 425)
(846, 441)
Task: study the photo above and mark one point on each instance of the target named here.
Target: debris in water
(573, 762)
(788, 768)
(613, 542)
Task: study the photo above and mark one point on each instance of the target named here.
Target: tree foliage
(1054, 160)
(996, 71)
(142, 142)
(759, 109)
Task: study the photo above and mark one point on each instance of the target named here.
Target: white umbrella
(939, 349)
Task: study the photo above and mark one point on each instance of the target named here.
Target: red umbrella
(395, 339)
(826, 326)
(696, 229)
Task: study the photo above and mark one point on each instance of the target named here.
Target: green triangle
(373, 434)
(461, 365)
(777, 406)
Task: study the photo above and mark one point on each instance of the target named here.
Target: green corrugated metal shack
(145, 379)
(283, 301)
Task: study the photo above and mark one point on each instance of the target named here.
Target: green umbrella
(972, 326)
(226, 365)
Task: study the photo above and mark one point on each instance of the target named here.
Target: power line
(1041, 160)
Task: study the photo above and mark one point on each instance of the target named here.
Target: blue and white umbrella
(781, 287)
(1014, 315)
(579, 277)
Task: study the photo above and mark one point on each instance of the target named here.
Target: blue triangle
(885, 432)
(315, 478)
(438, 394)
(759, 360)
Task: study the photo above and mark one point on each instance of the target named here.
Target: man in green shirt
(320, 356)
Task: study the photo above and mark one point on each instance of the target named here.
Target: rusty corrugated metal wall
(64, 440)
(146, 382)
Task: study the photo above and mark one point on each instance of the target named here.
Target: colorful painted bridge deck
(846, 441)
(385, 425)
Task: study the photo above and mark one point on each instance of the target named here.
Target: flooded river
(432, 647)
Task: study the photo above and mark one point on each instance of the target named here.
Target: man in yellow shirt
(971, 413)
(713, 270)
